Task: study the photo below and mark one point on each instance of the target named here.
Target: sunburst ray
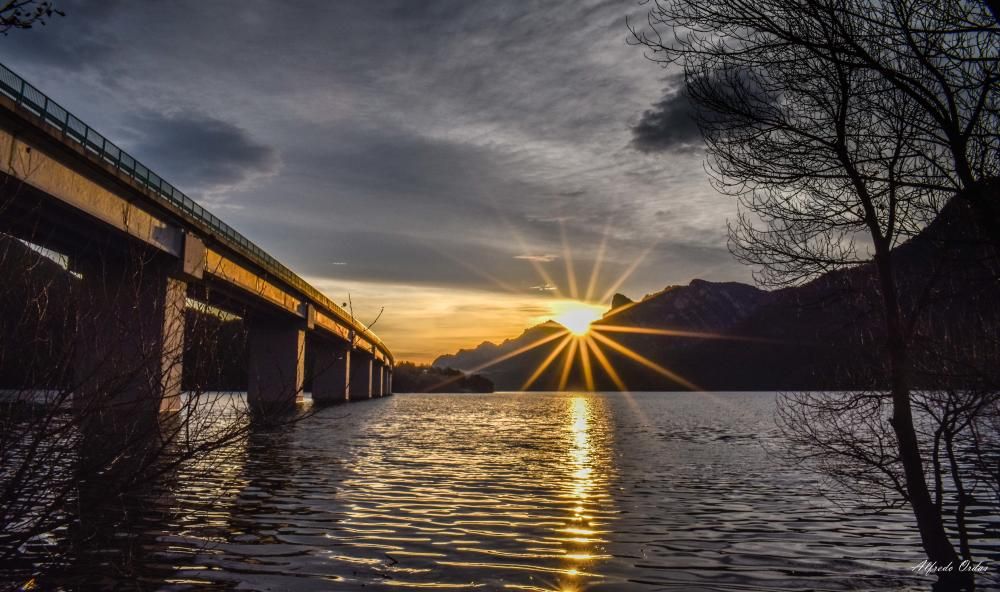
(568, 260)
(652, 331)
(476, 270)
(546, 363)
(627, 273)
(606, 365)
(588, 373)
(645, 361)
(595, 271)
(538, 267)
(676, 333)
(504, 357)
(568, 366)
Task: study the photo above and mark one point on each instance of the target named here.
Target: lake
(513, 491)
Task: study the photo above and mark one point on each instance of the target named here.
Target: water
(511, 491)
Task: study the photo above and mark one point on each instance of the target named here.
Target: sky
(456, 163)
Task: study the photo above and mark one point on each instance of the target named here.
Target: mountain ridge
(823, 334)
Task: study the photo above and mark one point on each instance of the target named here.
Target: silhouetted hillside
(411, 378)
(511, 374)
(826, 334)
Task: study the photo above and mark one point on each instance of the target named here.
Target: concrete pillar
(388, 390)
(331, 372)
(130, 340)
(276, 364)
(376, 379)
(361, 375)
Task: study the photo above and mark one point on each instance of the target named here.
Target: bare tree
(842, 128)
(24, 14)
(942, 57)
(84, 424)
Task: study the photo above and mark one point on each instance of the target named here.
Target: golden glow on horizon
(423, 321)
(454, 318)
(576, 351)
(580, 352)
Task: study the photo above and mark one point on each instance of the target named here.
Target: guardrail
(54, 115)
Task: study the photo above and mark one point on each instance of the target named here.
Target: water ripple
(536, 492)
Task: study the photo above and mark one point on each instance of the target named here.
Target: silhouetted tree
(943, 58)
(412, 378)
(842, 127)
(24, 14)
(78, 438)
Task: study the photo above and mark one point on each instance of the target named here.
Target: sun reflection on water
(509, 494)
(582, 536)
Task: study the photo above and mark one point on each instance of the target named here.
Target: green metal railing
(72, 128)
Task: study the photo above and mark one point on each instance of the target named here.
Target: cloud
(539, 258)
(546, 287)
(85, 42)
(198, 152)
(673, 122)
(443, 156)
(670, 125)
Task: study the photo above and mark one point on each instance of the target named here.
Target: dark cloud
(670, 125)
(199, 152)
(71, 42)
(673, 123)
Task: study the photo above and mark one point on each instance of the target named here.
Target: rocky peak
(620, 300)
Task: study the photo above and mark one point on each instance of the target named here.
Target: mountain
(700, 307)
(620, 300)
(825, 334)
(517, 367)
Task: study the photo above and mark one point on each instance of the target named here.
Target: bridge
(67, 188)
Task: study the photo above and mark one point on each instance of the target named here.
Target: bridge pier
(388, 372)
(331, 372)
(384, 380)
(361, 375)
(376, 379)
(276, 364)
(130, 340)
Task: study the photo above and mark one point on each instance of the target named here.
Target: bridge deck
(60, 123)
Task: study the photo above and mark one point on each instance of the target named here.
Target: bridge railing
(54, 115)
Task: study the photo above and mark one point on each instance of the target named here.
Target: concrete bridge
(70, 189)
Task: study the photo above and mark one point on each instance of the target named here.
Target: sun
(576, 316)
